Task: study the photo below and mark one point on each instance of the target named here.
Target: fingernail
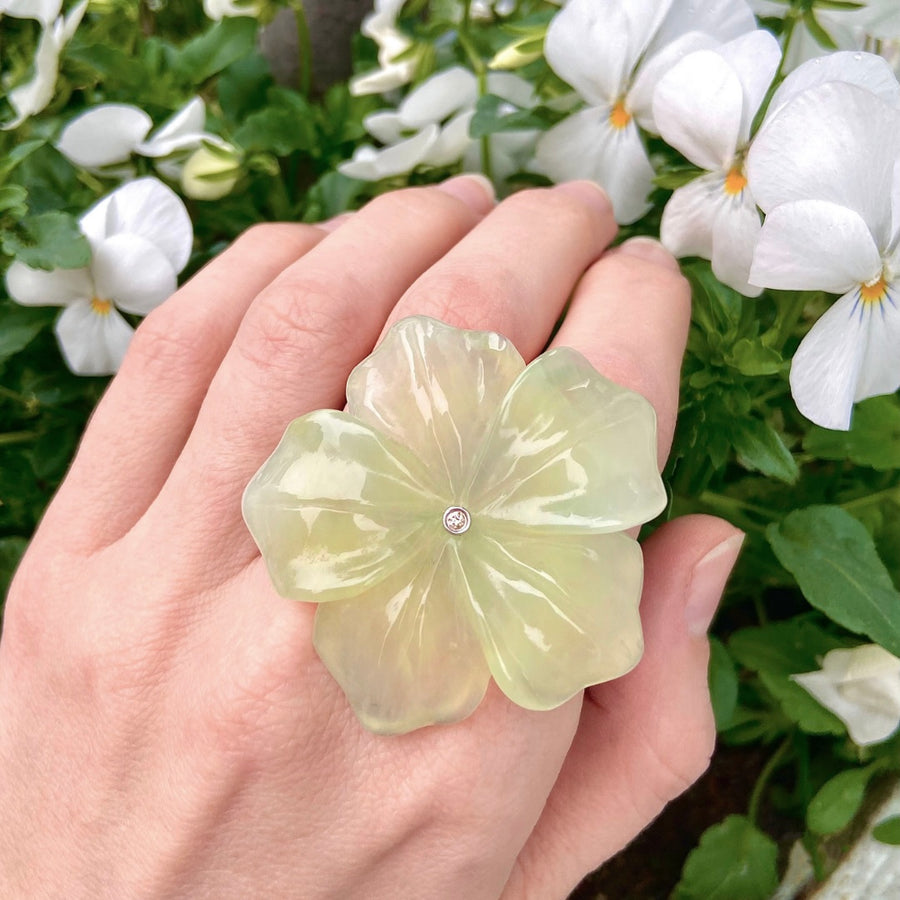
(588, 192)
(650, 250)
(708, 582)
(473, 189)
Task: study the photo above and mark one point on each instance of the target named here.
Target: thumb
(646, 737)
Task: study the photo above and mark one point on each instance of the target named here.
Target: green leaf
(13, 200)
(226, 42)
(11, 550)
(243, 85)
(492, 115)
(674, 178)
(839, 4)
(837, 801)
(775, 652)
(873, 439)
(760, 448)
(285, 125)
(723, 684)
(753, 357)
(835, 562)
(888, 831)
(50, 240)
(20, 326)
(734, 861)
(18, 154)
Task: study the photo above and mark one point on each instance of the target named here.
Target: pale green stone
(551, 462)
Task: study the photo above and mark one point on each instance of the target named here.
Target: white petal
(45, 11)
(132, 273)
(511, 87)
(585, 145)
(438, 97)
(149, 209)
(834, 142)
(879, 372)
(92, 343)
(104, 135)
(754, 57)
(385, 126)
(865, 70)
(687, 220)
(698, 107)
(58, 287)
(652, 69)
(826, 366)
(452, 142)
(595, 47)
(734, 238)
(722, 19)
(183, 129)
(31, 97)
(65, 29)
(387, 78)
(370, 164)
(814, 245)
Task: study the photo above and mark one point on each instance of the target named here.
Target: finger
(630, 317)
(515, 271)
(297, 344)
(643, 738)
(143, 420)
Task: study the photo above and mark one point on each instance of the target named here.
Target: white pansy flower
(861, 686)
(220, 9)
(431, 128)
(487, 9)
(31, 97)
(381, 26)
(109, 134)
(826, 171)
(613, 54)
(140, 237)
(45, 11)
(704, 107)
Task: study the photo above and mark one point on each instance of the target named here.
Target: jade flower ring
(464, 519)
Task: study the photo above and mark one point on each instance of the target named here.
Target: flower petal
(834, 142)
(825, 368)
(555, 614)
(843, 253)
(148, 208)
(879, 372)
(754, 58)
(698, 106)
(338, 507)
(687, 220)
(132, 273)
(452, 142)
(385, 126)
(183, 129)
(440, 96)
(45, 11)
(585, 145)
(436, 390)
(734, 238)
(92, 343)
(104, 135)
(865, 70)
(370, 164)
(58, 287)
(570, 451)
(405, 652)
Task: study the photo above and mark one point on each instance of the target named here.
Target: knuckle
(416, 204)
(477, 298)
(262, 236)
(165, 344)
(309, 315)
(560, 210)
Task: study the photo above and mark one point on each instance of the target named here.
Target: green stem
(768, 771)
(17, 437)
(304, 49)
(722, 501)
(14, 395)
(790, 315)
(877, 497)
(481, 73)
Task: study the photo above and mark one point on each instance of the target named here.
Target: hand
(166, 728)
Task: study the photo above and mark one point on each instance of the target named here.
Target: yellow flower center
(874, 291)
(735, 181)
(101, 307)
(619, 117)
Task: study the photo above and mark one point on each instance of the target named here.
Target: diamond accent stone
(457, 519)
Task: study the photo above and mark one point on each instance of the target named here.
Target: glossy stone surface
(552, 462)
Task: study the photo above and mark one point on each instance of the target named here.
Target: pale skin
(166, 728)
